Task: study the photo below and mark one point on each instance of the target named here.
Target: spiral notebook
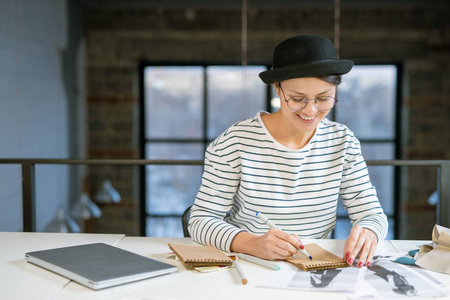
(200, 256)
(322, 259)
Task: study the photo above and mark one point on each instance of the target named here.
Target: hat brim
(311, 69)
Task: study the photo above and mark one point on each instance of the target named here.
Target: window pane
(382, 177)
(343, 227)
(183, 151)
(342, 230)
(234, 93)
(164, 227)
(367, 101)
(171, 189)
(373, 151)
(173, 102)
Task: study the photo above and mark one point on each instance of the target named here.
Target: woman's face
(307, 119)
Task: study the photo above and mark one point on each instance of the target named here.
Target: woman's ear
(276, 86)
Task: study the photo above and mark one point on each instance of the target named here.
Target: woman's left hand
(363, 242)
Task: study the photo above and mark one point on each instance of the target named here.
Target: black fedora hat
(305, 56)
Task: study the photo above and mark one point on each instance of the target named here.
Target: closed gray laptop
(98, 265)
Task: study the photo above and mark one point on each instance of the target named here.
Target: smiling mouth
(306, 118)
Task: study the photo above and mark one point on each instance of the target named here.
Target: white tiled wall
(33, 105)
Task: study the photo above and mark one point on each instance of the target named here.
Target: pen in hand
(272, 225)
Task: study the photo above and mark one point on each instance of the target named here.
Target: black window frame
(269, 95)
(143, 140)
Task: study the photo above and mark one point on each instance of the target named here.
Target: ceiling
(139, 4)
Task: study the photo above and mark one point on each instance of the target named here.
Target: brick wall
(418, 37)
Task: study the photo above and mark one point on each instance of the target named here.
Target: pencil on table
(240, 272)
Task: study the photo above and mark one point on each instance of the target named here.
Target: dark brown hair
(332, 79)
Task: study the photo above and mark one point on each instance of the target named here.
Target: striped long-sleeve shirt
(247, 170)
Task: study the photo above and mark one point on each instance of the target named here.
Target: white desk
(25, 281)
(21, 280)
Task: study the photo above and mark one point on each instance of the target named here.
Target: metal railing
(28, 179)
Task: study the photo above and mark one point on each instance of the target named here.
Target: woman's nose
(310, 107)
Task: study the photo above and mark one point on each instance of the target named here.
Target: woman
(290, 165)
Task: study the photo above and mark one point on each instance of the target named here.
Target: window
(368, 108)
(186, 107)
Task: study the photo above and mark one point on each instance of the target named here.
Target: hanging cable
(337, 37)
(337, 25)
(244, 54)
(244, 33)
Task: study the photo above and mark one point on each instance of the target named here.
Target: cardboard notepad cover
(322, 259)
(200, 256)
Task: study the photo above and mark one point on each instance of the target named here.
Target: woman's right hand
(275, 244)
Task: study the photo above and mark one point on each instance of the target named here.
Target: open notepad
(322, 259)
(202, 256)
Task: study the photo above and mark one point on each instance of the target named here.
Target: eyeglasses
(322, 103)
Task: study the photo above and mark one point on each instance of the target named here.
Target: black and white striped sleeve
(214, 199)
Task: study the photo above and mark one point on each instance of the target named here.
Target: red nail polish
(347, 255)
(368, 264)
(302, 247)
(350, 261)
(360, 264)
